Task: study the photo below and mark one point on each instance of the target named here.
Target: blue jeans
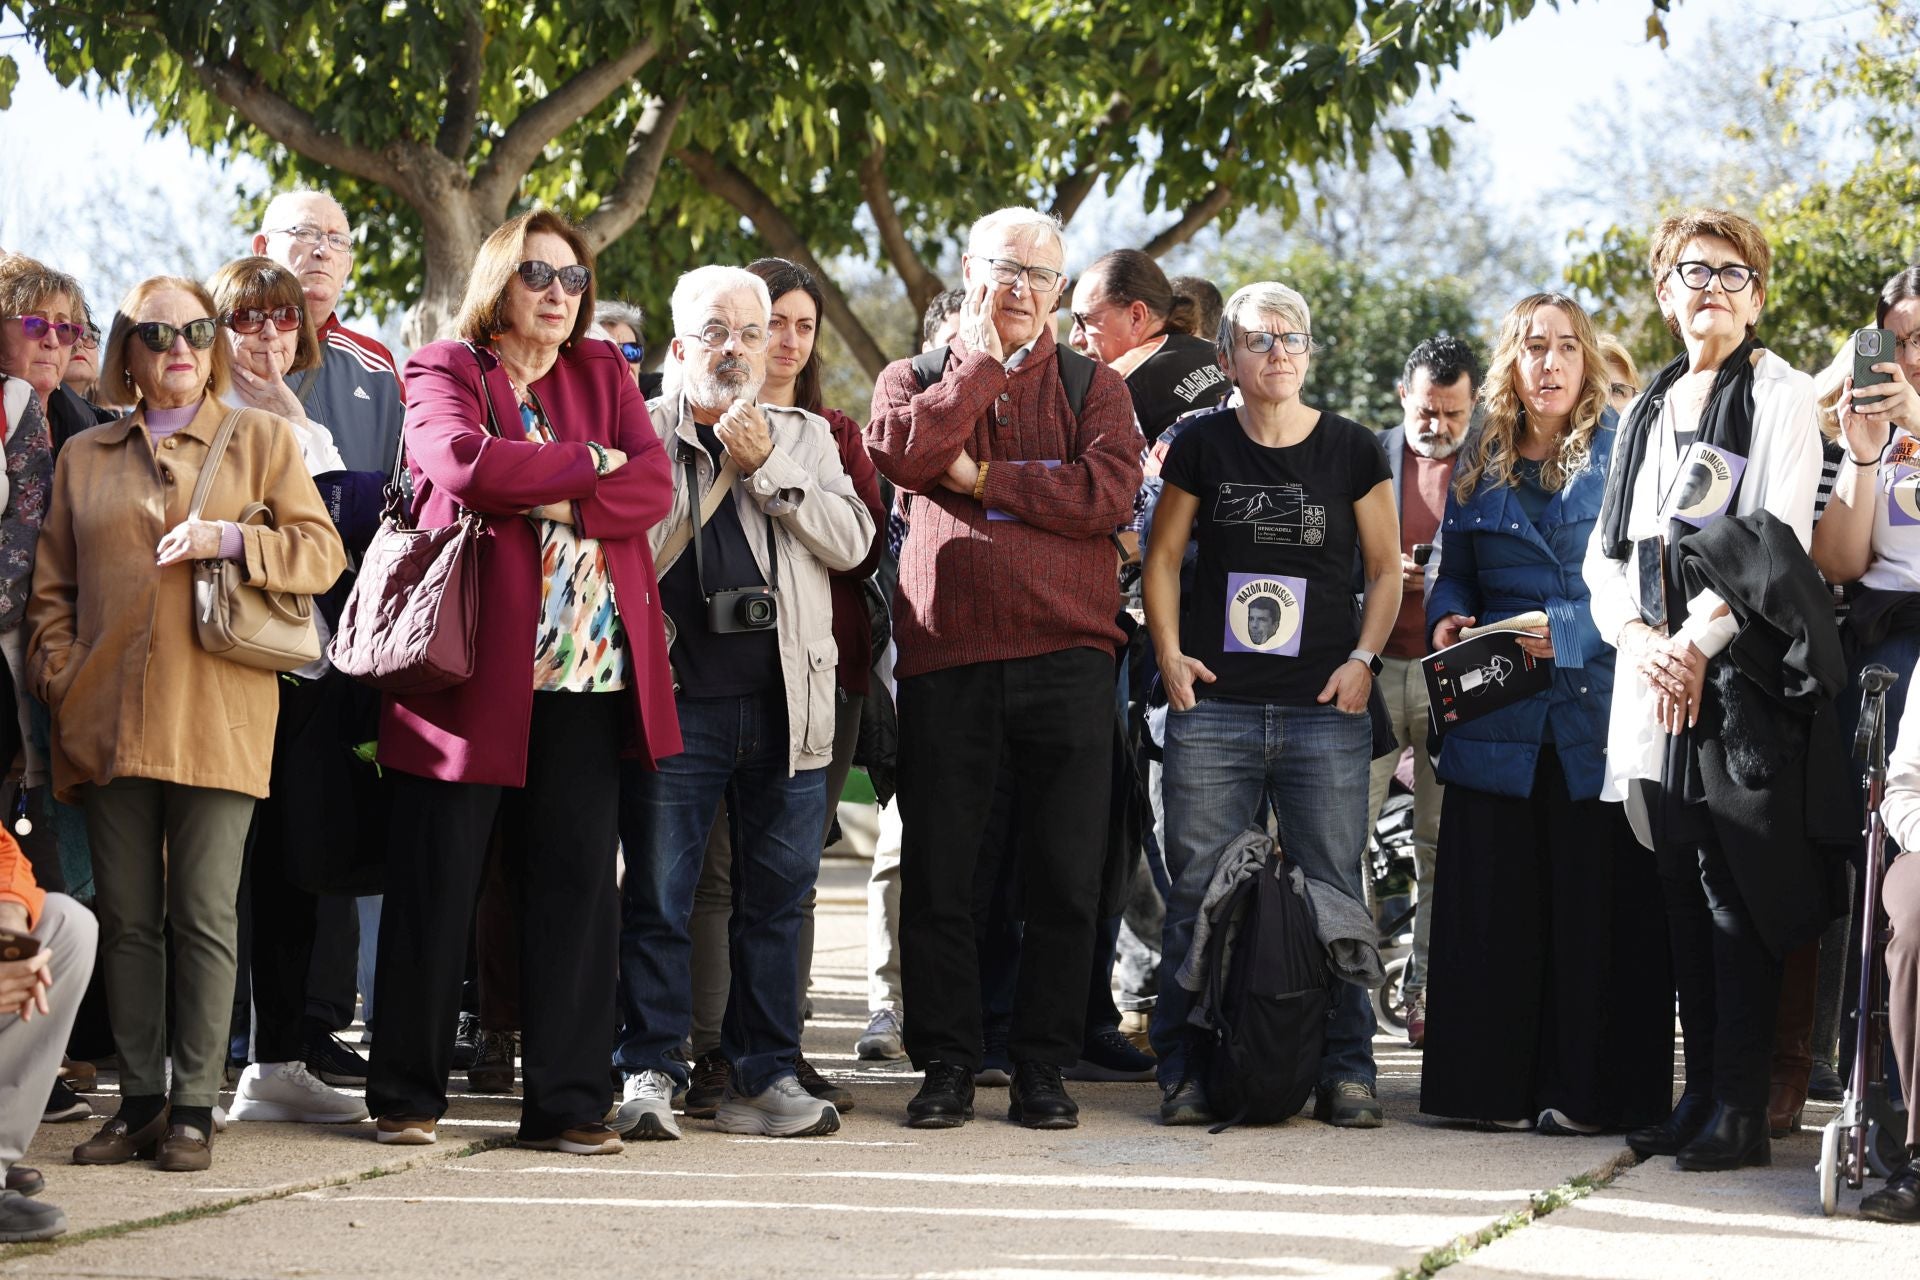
(736, 749)
(1223, 760)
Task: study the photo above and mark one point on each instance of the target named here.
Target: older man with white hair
(1019, 458)
(761, 511)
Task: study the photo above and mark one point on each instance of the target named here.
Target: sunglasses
(254, 319)
(635, 352)
(158, 335)
(537, 275)
(65, 332)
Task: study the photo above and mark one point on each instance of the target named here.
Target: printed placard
(1903, 496)
(994, 513)
(1264, 614)
(1708, 478)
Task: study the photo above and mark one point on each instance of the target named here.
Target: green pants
(163, 853)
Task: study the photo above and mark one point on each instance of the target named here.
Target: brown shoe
(593, 1139)
(405, 1131)
(114, 1144)
(80, 1076)
(185, 1149)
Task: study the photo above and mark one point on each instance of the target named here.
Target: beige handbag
(273, 630)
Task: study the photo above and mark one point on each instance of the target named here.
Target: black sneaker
(945, 1100)
(1348, 1104)
(1184, 1102)
(821, 1087)
(996, 1069)
(64, 1104)
(334, 1061)
(1108, 1055)
(1825, 1084)
(466, 1041)
(1038, 1100)
(492, 1069)
(708, 1084)
(1899, 1200)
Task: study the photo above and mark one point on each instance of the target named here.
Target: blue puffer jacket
(1497, 563)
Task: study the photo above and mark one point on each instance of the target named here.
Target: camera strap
(711, 503)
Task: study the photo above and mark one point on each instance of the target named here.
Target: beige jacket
(112, 649)
(819, 523)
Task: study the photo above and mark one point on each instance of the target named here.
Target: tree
(434, 121)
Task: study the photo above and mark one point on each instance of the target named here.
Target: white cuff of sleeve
(1707, 633)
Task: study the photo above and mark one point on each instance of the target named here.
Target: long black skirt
(1549, 981)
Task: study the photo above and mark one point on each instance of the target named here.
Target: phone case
(17, 946)
(1650, 562)
(1871, 347)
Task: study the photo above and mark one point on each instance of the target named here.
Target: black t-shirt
(729, 664)
(1272, 612)
(1183, 375)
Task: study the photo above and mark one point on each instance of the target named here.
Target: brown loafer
(81, 1076)
(28, 1182)
(114, 1144)
(185, 1149)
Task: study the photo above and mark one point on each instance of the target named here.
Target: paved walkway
(1117, 1197)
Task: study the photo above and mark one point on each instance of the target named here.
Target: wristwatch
(1371, 661)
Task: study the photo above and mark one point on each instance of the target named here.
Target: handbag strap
(215, 452)
(683, 532)
(393, 493)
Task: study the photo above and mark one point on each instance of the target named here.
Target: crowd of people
(1090, 611)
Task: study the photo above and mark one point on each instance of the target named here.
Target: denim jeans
(1223, 760)
(736, 750)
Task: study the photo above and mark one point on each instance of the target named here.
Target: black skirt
(1549, 980)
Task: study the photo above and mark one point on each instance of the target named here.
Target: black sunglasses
(159, 336)
(254, 319)
(537, 275)
(635, 352)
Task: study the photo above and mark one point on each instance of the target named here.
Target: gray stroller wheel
(1830, 1138)
(1388, 996)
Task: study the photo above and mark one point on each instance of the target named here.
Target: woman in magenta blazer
(543, 433)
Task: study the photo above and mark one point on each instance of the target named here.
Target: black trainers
(1899, 1200)
(492, 1069)
(996, 1070)
(1184, 1102)
(711, 1075)
(945, 1100)
(64, 1104)
(329, 1058)
(1038, 1099)
(821, 1087)
(1108, 1055)
(466, 1041)
(1349, 1104)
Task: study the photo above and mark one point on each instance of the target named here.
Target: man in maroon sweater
(1004, 620)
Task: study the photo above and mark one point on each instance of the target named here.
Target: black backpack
(1269, 989)
(1076, 373)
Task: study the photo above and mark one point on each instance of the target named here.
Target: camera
(1867, 342)
(741, 609)
(1422, 552)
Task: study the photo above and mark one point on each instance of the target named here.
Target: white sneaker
(1557, 1122)
(287, 1091)
(782, 1110)
(646, 1108)
(219, 1118)
(883, 1036)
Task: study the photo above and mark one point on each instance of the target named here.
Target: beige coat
(113, 651)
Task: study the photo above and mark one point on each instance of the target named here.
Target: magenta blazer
(477, 731)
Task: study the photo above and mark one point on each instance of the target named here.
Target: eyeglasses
(65, 332)
(158, 335)
(90, 340)
(1911, 340)
(1734, 277)
(313, 237)
(254, 319)
(537, 275)
(1006, 271)
(635, 352)
(1084, 319)
(1294, 344)
(714, 336)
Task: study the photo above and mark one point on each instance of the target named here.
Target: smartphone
(17, 946)
(1422, 552)
(1650, 560)
(1871, 347)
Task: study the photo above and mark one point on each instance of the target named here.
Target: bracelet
(1877, 459)
(599, 458)
(980, 483)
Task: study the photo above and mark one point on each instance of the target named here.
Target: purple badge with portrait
(1265, 614)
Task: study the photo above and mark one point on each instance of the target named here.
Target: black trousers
(562, 828)
(1549, 978)
(1049, 721)
(1728, 980)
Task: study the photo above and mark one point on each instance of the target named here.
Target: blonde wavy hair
(1493, 459)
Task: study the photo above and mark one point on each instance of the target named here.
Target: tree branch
(740, 191)
(922, 284)
(514, 155)
(1197, 215)
(463, 88)
(646, 152)
(1078, 185)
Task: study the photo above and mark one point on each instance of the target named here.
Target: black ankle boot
(1734, 1138)
(1898, 1201)
(1689, 1116)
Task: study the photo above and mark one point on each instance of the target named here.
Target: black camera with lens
(741, 609)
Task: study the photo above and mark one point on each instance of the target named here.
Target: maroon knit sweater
(979, 590)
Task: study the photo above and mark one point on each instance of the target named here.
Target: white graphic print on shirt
(1280, 513)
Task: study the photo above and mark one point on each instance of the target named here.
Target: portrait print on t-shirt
(1900, 477)
(1264, 614)
(1705, 484)
(1281, 514)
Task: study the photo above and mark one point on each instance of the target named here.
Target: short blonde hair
(1615, 353)
(27, 285)
(115, 388)
(483, 312)
(261, 282)
(1673, 234)
(1265, 297)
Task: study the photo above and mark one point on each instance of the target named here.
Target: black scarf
(1726, 423)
